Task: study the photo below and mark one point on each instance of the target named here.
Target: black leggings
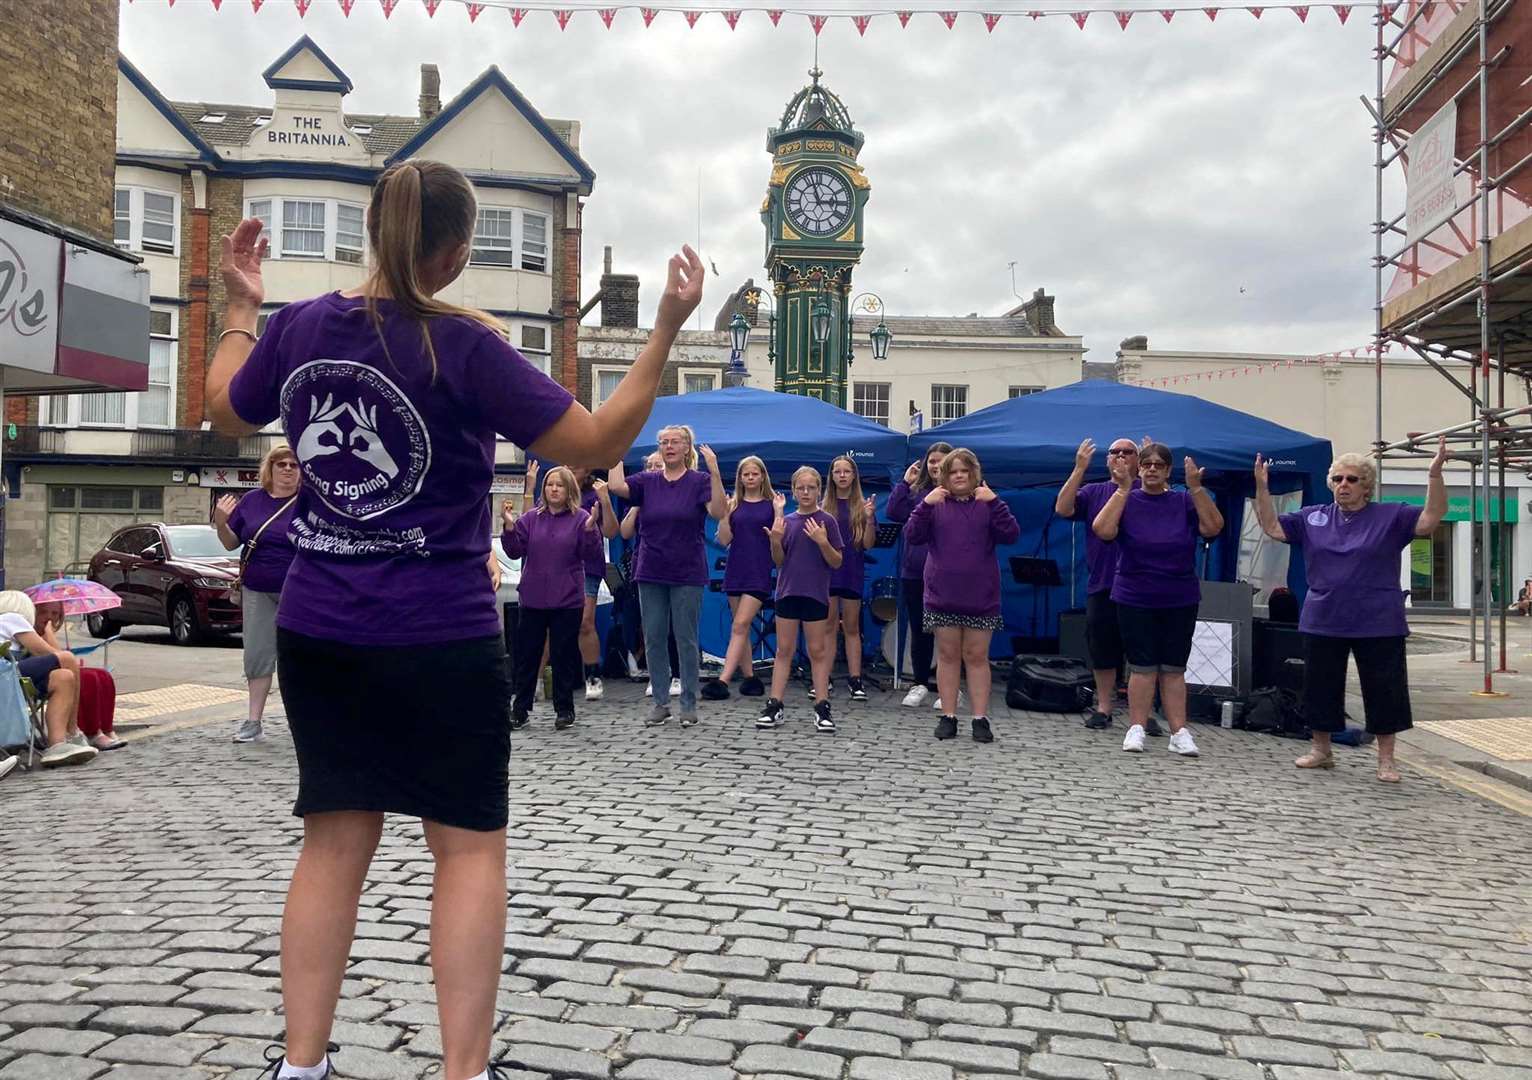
(922, 644)
(560, 627)
(1380, 668)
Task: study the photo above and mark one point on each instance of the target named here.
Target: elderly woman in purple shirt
(1355, 606)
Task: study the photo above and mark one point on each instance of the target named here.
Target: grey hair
(1363, 466)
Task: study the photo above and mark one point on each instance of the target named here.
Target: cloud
(1142, 176)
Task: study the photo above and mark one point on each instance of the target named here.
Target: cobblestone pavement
(722, 903)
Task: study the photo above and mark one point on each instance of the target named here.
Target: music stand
(1043, 573)
(888, 534)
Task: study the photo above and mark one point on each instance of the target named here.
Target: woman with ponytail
(391, 399)
(853, 513)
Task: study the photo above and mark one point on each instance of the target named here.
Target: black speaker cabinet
(1275, 643)
(1072, 636)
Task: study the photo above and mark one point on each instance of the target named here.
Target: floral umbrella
(76, 594)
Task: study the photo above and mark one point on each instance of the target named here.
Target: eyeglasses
(1346, 479)
(1129, 452)
(1151, 463)
(284, 465)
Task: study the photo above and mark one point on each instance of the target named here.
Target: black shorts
(1157, 639)
(39, 669)
(1103, 634)
(802, 608)
(846, 594)
(1380, 668)
(422, 730)
(757, 593)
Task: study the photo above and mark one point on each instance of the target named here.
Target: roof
(816, 108)
(947, 326)
(337, 81)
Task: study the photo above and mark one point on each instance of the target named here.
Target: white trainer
(916, 696)
(594, 689)
(249, 731)
(7, 763)
(1182, 743)
(675, 687)
(962, 700)
(1133, 741)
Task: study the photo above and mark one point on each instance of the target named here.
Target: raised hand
(1193, 474)
(777, 529)
(938, 494)
(779, 503)
(1148, 440)
(1441, 456)
(869, 506)
(683, 290)
(599, 487)
(239, 261)
(814, 531)
(590, 522)
(1121, 474)
(1084, 454)
(709, 458)
(508, 513)
(984, 493)
(223, 509)
(532, 471)
(1262, 473)
(913, 472)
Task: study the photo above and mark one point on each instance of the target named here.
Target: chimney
(1138, 343)
(619, 296)
(430, 91)
(1039, 313)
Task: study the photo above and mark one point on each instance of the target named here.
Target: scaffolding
(1453, 274)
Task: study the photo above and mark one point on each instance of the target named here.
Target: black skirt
(422, 730)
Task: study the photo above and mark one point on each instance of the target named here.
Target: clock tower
(813, 218)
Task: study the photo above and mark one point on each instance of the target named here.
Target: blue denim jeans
(667, 609)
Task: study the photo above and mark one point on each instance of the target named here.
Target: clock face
(819, 202)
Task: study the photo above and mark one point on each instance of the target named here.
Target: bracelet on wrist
(238, 330)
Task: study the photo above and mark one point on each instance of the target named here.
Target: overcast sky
(1209, 185)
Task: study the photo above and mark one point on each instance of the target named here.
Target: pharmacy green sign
(1457, 506)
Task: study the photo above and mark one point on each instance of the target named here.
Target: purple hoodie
(962, 574)
(901, 503)
(553, 548)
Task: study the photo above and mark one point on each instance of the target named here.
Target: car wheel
(183, 621)
(100, 626)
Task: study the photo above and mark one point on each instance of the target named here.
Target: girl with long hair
(391, 398)
(853, 513)
(919, 479)
(806, 546)
(747, 574)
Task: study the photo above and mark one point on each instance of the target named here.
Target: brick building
(74, 310)
(185, 173)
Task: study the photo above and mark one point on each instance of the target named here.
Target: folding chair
(21, 710)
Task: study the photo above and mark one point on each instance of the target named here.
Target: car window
(134, 541)
(195, 542)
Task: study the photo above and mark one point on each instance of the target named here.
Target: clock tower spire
(813, 219)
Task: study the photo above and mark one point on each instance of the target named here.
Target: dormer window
(262, 121)
(213, 118)
(362, 129)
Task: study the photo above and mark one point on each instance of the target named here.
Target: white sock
(289, 1071)
(482, 1076)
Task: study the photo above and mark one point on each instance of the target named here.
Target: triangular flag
(345, 7)
(904, 18)
(431, 6)
(1168, 15)
(1255, 11)
(1034, 15)
(1343, 12)
(692, 17)
(563, 16)
(648, 14)
(607, 15)
(1426, 11)
(170, 3)
(255, 5)
(733, 17)
(302, 6)
(990, 21)
(517, 14)
(948, 17)
(818, 22)
(1302, 13)
(1123, 17)
(388, 7)
(474, 11)
(1079, 17)
(774, 16)
(861, 23)
(1211, 12)
(1388, 11)
(217, 4)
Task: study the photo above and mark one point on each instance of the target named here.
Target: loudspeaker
(1072, 636)
(1274, 643)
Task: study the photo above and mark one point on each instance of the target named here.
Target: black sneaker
(981, 731)
(275, 1055)
(771, 715)
(946, 727)
(823, 721)
(857, 691)
(562, 721)
(519, 719)
(752, 687)
(1153, 727)
(1098, 720)
(715, 690)
(502, 1069)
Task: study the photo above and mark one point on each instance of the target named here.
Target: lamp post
(880, 335)
(739, 341)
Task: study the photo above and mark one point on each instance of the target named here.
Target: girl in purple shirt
(747, 574)
(806, 546)
(553, 541)
(853, 513)
(391, 400)
(962, 521)
(919, 479)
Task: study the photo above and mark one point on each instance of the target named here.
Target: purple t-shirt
(962, 573)
(851, 574)
(266, 566)
(1157, 551)
(595, 560)
(749, 566)
(1100, 556)
(804, 571)
(1353, 567)
(674, 513)
(553, 549)
(396, 465)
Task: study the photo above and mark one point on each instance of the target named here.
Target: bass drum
(891, 645)
(884, 604)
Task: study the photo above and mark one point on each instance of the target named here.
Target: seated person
(55, 674)
(98, 690)
(1523, 605)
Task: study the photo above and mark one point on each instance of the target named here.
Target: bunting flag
(1343, 12)
(774, 16)
(345, 7)
(1256, 11)
(1079, 17)
(948, 17)
(1034, 15)
(607, 15)
(474, 11)
(255, 5)
(1211, 13)
(1168, 14)
(692, 17)
(302, 6)
(818, 22)
(861, 24)
(648, 14)
(431, 6)
(517, 14)
(388, 7)
(904, 18)
(990, 21)
(563, 16)
(732, 17)
(1123, 17)
(1302, 13)
(217, 4)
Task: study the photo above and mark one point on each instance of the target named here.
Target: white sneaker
(1182, 743)
(648, 690)
(594, 689)
(65, 753)
(916, 696)
(1133, 741)
(962, 700)
(633, 671)
(675, 687)
(537, 691)
(7, 764)
(249, 731)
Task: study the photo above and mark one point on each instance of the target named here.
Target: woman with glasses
(1351, 551)
(1156, 589)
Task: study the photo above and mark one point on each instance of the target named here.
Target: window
(693, 382)
(154, 407)
(213, 118)
(261, 208)
(534, 338)
(948, 403)
(303, 228)
(1023, 391)
(603, 382)
(494, 238)
(82, 519)
(103, 409)
(534, 242)
(350, 239)
(870, 399)
(144, 220)
(154, 404)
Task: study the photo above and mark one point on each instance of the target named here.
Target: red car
(178, 576)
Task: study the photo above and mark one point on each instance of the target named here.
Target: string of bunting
(1366, 353)
(564, 11)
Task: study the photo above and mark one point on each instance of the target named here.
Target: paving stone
(560, 1061)
(155, 1049)
(850, 1042)
(546, 970)
(49, 1067)
(153, 1019)
(816, 975)
(1101, 1005)
(687, 1048)
(655, 1069)
(64, 1042)
(627, 956)
(1219, 1068)
(845, 999)
(970, 1057)
(871, 1068)
(1055, 1067)
(791, 1062)
(799, 1019)
(1223, 1020)
(1282, 1052)
(1394, 1063)
(627, 1017)
(745, 967)
(1058, 1023)
(997, 1036)
(671, 982)
(743, 1032)
(897, 1026)
(1097, 1050)
(569, 1036)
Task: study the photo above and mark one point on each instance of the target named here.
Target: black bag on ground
(1274, 710)
(1048, 684)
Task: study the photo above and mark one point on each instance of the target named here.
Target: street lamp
(819, 321)
(880, 335)
(739, 337)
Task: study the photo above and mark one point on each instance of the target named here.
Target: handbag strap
(249, 544)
